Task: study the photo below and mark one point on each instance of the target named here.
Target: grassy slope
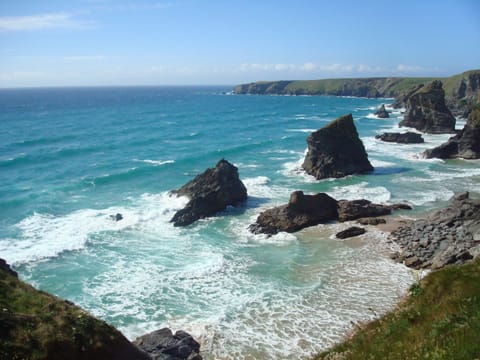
(37, 325)
(372, 87)
(439, 320)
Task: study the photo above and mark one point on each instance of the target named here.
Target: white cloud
(42, 21)
(308, 66)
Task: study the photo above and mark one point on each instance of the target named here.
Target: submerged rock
(336, 151)
(300, 212)
(164, 345)
(350, 232)
(116, 217)
(426, 110)
(210, 192)
(464, 145)
(447, 236)
(401, 138)
(382, 113)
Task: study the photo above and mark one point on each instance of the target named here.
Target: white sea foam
(378, 194)
(156, 162)
(45, 235)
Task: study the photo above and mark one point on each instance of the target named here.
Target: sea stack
(464, 145)
(382, 113)
(336, 151)
(426, 110)
(210, 192)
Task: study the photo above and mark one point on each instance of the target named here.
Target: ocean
(72, 157)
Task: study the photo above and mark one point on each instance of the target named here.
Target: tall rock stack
(426, 110)
(465, 144)
(336, 151)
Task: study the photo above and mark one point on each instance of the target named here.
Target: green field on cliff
(363, 87)
(440, 319)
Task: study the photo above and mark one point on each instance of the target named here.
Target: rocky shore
(447, 236)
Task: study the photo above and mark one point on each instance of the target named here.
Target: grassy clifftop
(364, 87)
(439, 320)
(37, 325)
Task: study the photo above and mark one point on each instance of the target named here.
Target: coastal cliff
(462, 91)
(37, 325)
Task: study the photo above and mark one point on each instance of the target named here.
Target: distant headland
(461, 90)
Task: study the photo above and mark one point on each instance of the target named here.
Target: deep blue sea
(71, 157)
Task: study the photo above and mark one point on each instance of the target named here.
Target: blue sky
(156, 42)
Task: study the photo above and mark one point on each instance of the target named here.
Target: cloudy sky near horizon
(162, 42)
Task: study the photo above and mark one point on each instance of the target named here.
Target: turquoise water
(69, 158)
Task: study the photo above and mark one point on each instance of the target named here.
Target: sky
(202, 42)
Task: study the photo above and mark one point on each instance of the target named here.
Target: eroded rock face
(164, 345)
(300, 212)
(448, 236)
(426, 110)
(382, 113)
(464, 145)
(401, 138)
(210, 192)
(336, 151)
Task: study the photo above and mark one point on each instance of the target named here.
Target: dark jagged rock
(336, 151)
(5, 267)
(116, 217)
(371, 221)
(309, 210)
(356, 209)
(382, 113)
(164, 345)
(210, 192)
(350, 232)
(401, 138)
(426, 110)
(300, 212)
(447, 236)
(465, 145)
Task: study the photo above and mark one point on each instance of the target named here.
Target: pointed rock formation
(464, 145)
(426, 110)
(210, 192)
(336, 151)
(382, 113)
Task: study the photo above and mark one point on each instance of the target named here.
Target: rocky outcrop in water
(465, 144)
(350, 232)
(164, 345)
(382, 113)
(356, 209)
(300, 212)
(336, 151)
(448, 236)
(401, 138)
(210, 192)
(426, 110)
(308, 210)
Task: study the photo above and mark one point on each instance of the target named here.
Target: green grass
(37, 325)
(439, 320)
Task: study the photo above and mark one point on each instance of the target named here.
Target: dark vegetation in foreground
(440, 319)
